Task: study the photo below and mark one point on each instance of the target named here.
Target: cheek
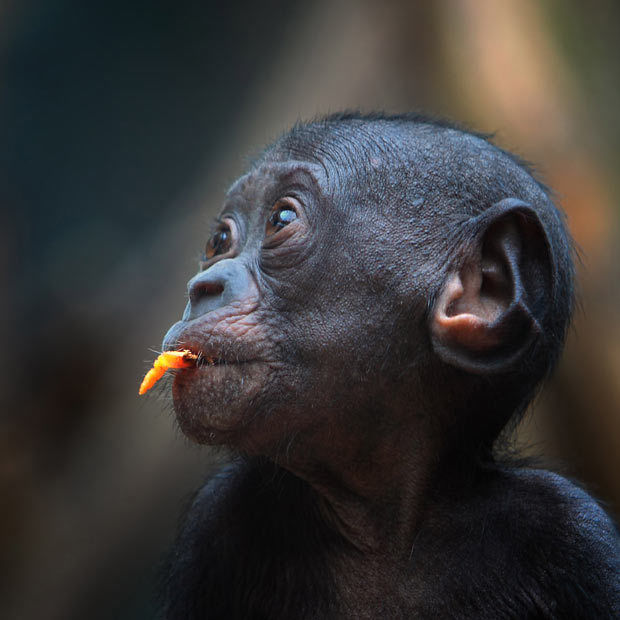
(342, 345)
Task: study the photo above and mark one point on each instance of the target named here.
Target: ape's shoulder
(250, 546)
(563, 508)
(564, 540)
(527, 541)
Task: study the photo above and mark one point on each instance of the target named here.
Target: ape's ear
(491, 307)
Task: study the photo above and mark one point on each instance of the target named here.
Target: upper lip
(211, 351)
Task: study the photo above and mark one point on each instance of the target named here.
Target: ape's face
(300, 312)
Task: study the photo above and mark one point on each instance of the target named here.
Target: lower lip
(204, 366)
(206, 362)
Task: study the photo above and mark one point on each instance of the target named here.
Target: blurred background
(122, 123)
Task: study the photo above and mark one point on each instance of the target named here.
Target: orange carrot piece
(168, 359)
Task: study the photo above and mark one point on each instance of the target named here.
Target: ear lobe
(491, 307)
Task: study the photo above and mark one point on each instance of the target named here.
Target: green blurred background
(122, 124)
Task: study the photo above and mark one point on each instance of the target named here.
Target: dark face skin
(271, 304)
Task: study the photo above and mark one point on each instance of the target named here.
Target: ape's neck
(373, 491)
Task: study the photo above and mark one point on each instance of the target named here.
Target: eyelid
(291, 199)
(238, 225)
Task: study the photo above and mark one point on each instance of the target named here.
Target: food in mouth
(168, 359)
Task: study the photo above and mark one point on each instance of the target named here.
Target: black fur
(525, 544)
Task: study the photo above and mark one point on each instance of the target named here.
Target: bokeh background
(122, 124)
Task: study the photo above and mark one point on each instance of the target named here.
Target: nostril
(200, 289)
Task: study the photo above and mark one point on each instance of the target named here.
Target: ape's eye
(219, 243)
(283, 213)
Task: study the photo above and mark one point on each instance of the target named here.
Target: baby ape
(379, 298)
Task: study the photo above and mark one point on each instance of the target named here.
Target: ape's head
(374, 273)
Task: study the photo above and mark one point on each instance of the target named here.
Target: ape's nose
(221, 284)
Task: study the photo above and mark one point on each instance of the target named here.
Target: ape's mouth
(194, 357)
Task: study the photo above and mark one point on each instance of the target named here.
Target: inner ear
(482, 288)
(491, 305)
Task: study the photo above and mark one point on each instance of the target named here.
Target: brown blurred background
(123, 122)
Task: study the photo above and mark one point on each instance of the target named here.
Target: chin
(217, 404)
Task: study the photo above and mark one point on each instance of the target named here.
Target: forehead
(267, 180)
